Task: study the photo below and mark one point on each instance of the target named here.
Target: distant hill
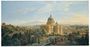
(31, 23)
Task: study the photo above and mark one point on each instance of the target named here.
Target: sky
(34, 12)
(44, 0)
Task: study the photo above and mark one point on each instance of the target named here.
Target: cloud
(54, 6)
(47, 8)
(25, 10)
(66, 6)
(69, 17)
(76, 19)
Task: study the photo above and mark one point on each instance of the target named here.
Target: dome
(50, 20)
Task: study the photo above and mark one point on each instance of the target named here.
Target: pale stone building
(52, 27)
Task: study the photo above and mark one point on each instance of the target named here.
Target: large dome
(51, 20)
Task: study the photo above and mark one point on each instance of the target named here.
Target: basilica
(52, 27)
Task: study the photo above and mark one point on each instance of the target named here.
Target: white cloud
(24, 10)
(66, 6)
(55, 6)
(47, 8)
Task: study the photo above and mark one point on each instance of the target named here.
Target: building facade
(52, 27)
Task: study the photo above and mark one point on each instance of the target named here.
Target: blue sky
(64, 12)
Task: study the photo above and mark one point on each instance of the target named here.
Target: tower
(56, 28)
